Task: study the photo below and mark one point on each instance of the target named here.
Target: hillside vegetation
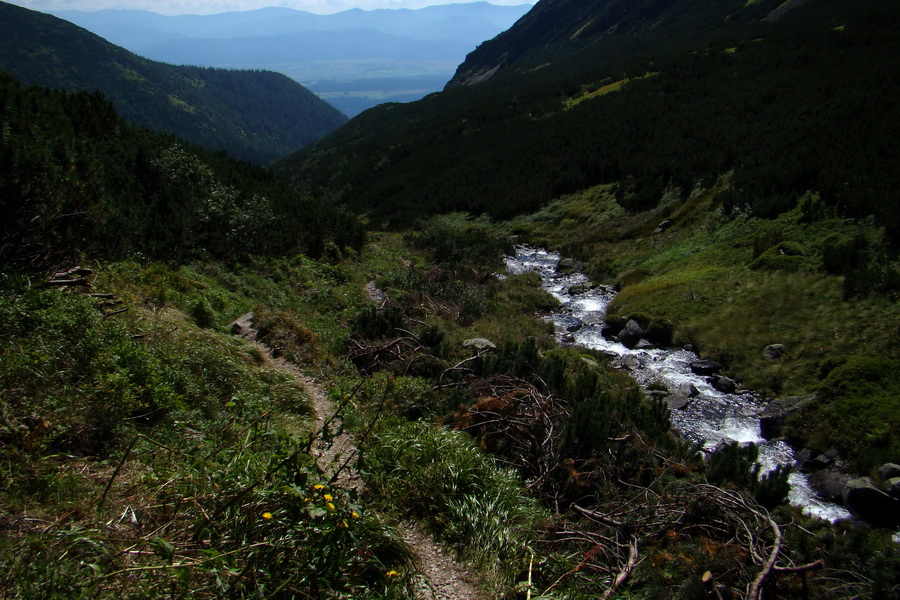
(256, 116)
(148, 452)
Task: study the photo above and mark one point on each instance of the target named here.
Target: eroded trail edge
(439, 575)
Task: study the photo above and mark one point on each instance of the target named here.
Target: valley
(614, 315)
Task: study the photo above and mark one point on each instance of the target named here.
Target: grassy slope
(723, 284)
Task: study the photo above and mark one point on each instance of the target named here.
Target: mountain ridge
(217, 109)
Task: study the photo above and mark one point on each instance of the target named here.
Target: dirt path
(440, 576)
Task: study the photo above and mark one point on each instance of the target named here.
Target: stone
(706, 366)
(663, 226)
(631, 334)
(889, 470)
(829, 483)
(892, 487)
(771, 420)
(644, 344)
(871, 504)
(726, 385)
(576, 325)
(774, 351)
(677, 401)
(243, 325)
(824, 460)
(688, 389)
(632, 362)
(480, 344)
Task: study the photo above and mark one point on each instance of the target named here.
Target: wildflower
(328, 497)
(393, 573)
(345, 524)
(330, 506)
(318, 486)
(267, 515)
(354, 514)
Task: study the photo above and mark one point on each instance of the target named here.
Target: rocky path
(440, 576)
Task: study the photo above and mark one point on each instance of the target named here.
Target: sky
(178, 7)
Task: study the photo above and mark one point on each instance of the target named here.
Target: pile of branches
(512, 418)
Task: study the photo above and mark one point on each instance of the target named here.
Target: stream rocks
(871, 503)
(705, 366)
(631, 334)
(772, 419)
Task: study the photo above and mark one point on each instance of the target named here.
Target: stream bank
(699, 411)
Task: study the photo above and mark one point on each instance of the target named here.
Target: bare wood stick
(709, 583)
(800, 569)
(115, 312)
(754, 591)
(596, 516)
(625, 574)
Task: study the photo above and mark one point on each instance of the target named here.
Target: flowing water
(710, 417)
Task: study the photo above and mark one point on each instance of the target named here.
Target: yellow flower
(354, 514)
(267, 515)
(345, 524)
(328, 497)
(330, 506)
(393, 573)
(318, 486)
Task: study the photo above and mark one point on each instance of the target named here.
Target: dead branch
(625, 574)
(754, 592)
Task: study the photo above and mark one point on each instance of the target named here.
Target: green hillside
(257, 116)
(798, 103)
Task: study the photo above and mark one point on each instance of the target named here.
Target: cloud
(177, 7)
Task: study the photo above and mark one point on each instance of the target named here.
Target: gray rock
(677, 401)
(631, 334)
(632, 362)
(663, 226)
(871, 504)
(480, 344)
(644, 345)
(576, 325)
(889, 471)
(829, 483)
(774, 351)
(824, 460)
(706, 366)
(688, 389)
(771, 420)
(892, 487)
(726, 385)
(243, 325)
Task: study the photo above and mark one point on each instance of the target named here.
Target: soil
(440, 576)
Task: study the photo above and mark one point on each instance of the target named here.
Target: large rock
(726, 385)
(631, 334)
(706, 366)
(677, 401)
(480, 344)
(889, 470)
(688, 389)
(771, 420)
(892, 487)
(243, 326)
(871, 504)
(774, 351)
(829, 483)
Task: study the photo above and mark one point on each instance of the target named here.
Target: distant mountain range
(256, 116)
(356, 59)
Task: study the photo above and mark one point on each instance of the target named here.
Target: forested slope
(798, 103)
(256, 116)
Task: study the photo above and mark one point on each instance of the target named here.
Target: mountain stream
(711, 416)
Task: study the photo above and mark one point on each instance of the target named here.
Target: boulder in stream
(688, 389)
(677, 401)
(870, 503)
(771, 420)
(706, 366)
(892, 487)
(631, 334)
(889, 470)
(726, 385)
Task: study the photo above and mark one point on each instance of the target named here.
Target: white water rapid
(712, 416)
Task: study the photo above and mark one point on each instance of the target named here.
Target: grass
(731, 284)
